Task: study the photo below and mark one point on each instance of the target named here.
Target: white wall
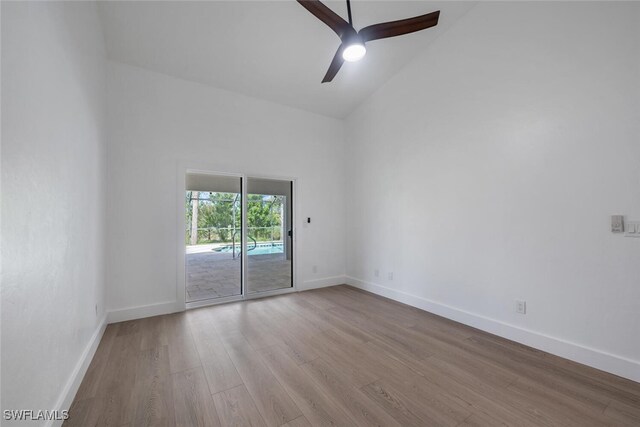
(487, 170)
(53, 199)
(158, 124)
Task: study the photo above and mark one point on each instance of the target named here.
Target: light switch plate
(632, 229)
(617, 223)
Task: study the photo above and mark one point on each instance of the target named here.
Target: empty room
(320, 213)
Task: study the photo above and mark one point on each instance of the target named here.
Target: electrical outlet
(390, 275)
(314, 269)
(617, 223)
(376, 272)
(521, 307)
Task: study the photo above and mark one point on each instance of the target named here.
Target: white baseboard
(169, 307)
(142, 311)
(71, 387)
(595, 358)
(322, 283)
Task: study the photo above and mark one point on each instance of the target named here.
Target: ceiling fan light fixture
(354, 52)
(352, 47)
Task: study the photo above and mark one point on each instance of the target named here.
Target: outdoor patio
(212, 274)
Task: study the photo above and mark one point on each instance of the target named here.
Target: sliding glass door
(269, 244)
(213, 237)
(238, 236)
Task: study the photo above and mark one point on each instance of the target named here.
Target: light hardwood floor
(335, 356)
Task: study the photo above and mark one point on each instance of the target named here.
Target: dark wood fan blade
(336, 63)
(398, 28)
(328, 16)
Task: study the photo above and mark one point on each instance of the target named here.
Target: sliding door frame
(181, 282)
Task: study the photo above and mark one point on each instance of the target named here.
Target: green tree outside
(219, 214)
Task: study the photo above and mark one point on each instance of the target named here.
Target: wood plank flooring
(335, 356)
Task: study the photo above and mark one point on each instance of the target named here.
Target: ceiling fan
(353, 47)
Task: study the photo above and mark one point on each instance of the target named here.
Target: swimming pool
(260, 248)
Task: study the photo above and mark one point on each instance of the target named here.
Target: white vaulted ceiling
(275, 50)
